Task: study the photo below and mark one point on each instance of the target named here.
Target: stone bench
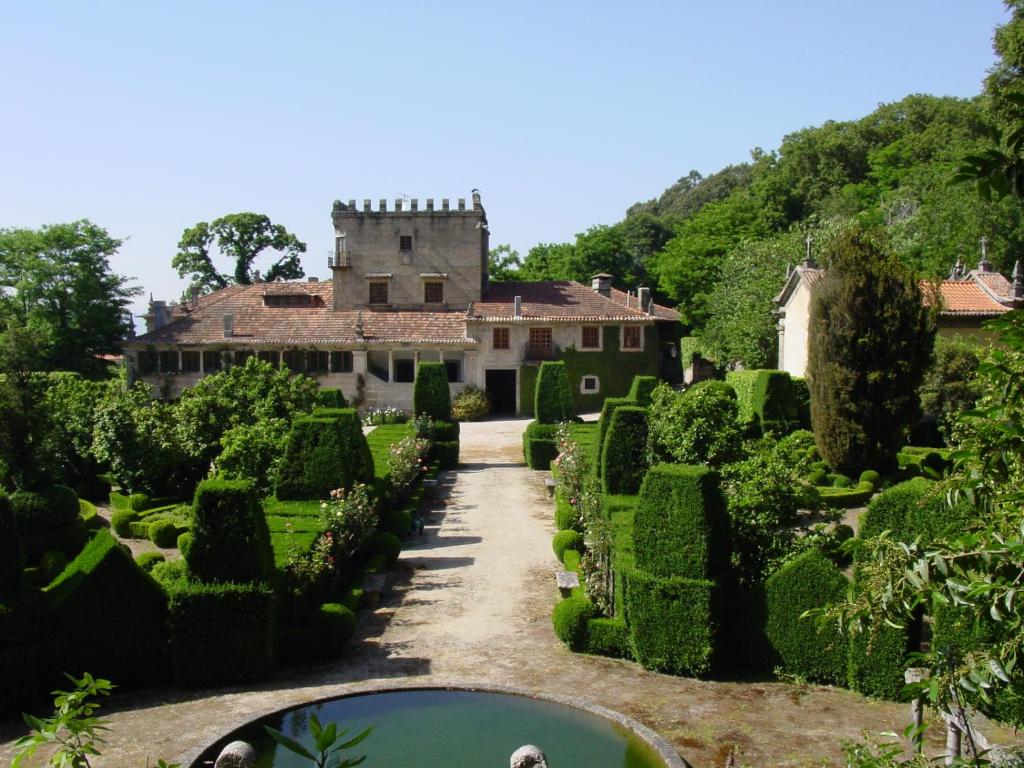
(549, 483)
(373, 586)
(567, 580)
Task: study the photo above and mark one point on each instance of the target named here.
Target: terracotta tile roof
(256, 323)
(560, 300)
(659, 312)
(965, 298)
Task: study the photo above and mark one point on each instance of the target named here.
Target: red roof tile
(561, 300)
(965, 298)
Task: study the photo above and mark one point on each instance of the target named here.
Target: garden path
(470, 603)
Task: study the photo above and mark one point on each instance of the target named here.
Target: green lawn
(380, 439)
(585, 435)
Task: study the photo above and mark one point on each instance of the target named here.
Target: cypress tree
(871, 341)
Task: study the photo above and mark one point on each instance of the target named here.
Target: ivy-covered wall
(614, 369)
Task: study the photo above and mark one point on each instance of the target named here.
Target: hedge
(809, 581)
(672, 621)
(640, 390)
(230, 538)
(330, 398)
(681, 528)
(221, 634)
(611, 404)
(907, 511)
(430, 393)
(845, 498)
(877, 660)
(52, 564)
(624, 455)
(48, 519)
(744, 383)
(11, 560)
(20, 631)
(163, 533)
(718, 385)
(566, 516)
(326, 636)
(445, 453)
(775, 403)
(146, 560)
(553, 396)
(567, 539)
(608, 637)
(325, 451)
(88, 604)
(570, 620)
(387, 544)
(446, 431)
(539, 447)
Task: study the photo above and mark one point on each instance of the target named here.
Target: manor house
(406, 285)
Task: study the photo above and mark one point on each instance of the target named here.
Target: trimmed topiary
(446, 431)
(624, 455)
(681, 528)
(230, 538)
(876, 662)
(387, 544)
(431, 394)
(339, 622)
(163, 533)
(673, 622)
(611, 404)
(397, 522)
(809, 581)
(841, 481)
(52, 563)
(121, 521)
(553, 395)
(325, 451)
(608, 637)
(570, 619)
(870, 476)
(20, 633)
(146, 560)
(94, 594)
(48, 519)
(775, 403)
(891, 510)
(11, 560)
(744, 383)
(717, 385)
(640, 390)
(221, 634)
(539, 447)
(445, 453)
(564, 540)
(327, 397)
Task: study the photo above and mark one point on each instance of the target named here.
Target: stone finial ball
(528, 756)
(237, 754)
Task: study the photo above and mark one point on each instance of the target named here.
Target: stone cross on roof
(984, 265)
(809, 259)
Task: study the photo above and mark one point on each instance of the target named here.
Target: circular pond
(456, 729)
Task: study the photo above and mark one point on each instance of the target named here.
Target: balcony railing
(538, 352)
(338, 258)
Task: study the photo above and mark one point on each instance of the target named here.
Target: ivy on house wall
(614, 369)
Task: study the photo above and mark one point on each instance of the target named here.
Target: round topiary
(121, 522)
(818, 477)
(715, 384)
(163, 533)
(339, 621)
(185, 543)
(570, 619)
(870, 476)
(387, 544)
(564, 540)
(36, 511)
(52, 564)
(146, 560)
(841, 481)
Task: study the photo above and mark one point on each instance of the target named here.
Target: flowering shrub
(471, 404)
(408, 460)
(571, 465)
(349, 520)
(423, 426)
(377, 416)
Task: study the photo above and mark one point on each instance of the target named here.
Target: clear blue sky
(147, 118)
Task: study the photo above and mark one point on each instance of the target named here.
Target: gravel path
(470, 603)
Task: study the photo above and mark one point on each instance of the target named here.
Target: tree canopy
(60, 303)
(241, 238)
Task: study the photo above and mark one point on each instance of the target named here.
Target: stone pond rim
(660, 746)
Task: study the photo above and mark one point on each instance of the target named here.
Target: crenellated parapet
(406, 207)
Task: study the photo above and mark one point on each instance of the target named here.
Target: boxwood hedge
(570, 619)
(230, 538)
(325, 451)
(672, 621)
(553, 395)
(681, 528)
(611, 404)
(624, 456)
(430, 392)
(11, 560)
(539, 447)
(640, 390)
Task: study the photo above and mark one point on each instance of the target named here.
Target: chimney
(602, 284)
(312, 279)
(193, 297)
(644, 295)
(1017, 291)
(517, 306)
(229, 326)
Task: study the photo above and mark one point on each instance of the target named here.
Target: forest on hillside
(718, 246)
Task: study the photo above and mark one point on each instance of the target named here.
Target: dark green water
(453, 729)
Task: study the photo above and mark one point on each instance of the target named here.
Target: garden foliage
(553, 396)
(624, 456)
(325, 451)
(230, 539)
(431, 394)
(698, 426)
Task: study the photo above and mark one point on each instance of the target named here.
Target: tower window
(405, 243)
(433, 292)
(378, 293)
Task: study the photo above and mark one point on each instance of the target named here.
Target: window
(405, 370)
(454, 368)
(211, 361)
(294, 361)
(590, 385)
(190, 361)
(405, 243)
(147, 362)
(270, 356)
(433, 292)
(341, 362)
(378, 293)
(499, 338)
(591, 337)
(541, 346)
(168, 362)
(316, 362)
(631, 336)
(290, 300)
